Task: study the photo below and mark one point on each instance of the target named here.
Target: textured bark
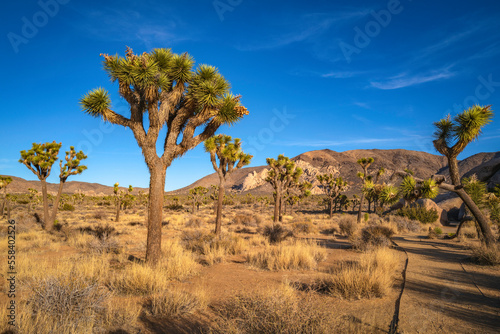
(277, 206)
(220, 200)
(56, 204)
(155, 213)
(474, 209)
(118, 203)
(331, 207)
(45, 204)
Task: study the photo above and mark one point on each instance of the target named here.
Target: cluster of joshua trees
(192, 103)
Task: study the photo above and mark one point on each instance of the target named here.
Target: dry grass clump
(99, 214)
(138, 279)
(79, 240)
(212, 247)
(298, 254)
(67, 304)
(305, 227)
(122, 315)
(274, 311)
(194, 222)
(99, 231)
(104, 245)
(372, 276)
(276, 233)
(372, 237)
(347, 225)
(247, 219)
(469, 230)
(174, 303)
(484, 255)
(404, 224)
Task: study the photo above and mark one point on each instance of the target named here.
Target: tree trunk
(280, 200)
(118, 204)
(360, 207)
(218, 219)
(474, 209)
(331, 207)
(8, 209)
(276, 206)
(45, 205)
(155, 211)
(56, 204)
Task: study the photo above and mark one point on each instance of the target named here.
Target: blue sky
(341, 75)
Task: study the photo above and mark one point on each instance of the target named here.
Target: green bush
(419, 213)
(67, 207)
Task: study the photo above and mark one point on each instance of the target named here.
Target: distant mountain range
(252, 179)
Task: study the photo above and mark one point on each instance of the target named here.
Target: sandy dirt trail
(444, 292)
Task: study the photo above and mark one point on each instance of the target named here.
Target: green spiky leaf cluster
(228, 152)
(40, 158)
(283, 170)
(453, 135)
(5, 181)
(72, 165)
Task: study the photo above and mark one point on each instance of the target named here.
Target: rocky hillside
(485, 165)
(20, 185)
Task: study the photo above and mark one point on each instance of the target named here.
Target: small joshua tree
(33, 198)
(196, 196)
(364, 163)
(411, 190)
(4, 182)
(451, 138)
(230, 157)
(284, 174)
(120, 197)
(332, 187)
(71, 167)
(191, 104)
(39, 159)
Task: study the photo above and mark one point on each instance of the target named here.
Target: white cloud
(406, 80)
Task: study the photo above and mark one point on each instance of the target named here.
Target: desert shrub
(276, 233)
(297, 254)
(99, 231)
(67, 304)
(404, 224)
(366, 216)
(419, 213)
(373, 236)
(174, 303)
(347, 225)
(330, 230)
(174, 207)
(57, 226)
(247, 220)
(371, 276)
(194, 222)
(67, 207)
(274, 311)
(306, 227)
(122, 316)
(469, 230)
(99, 215)
(485, 255)
(434, 233)
(105, 244)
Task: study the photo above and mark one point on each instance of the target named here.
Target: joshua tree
(120, 197)
(452, 136)
(71, 167)
(4, 182)
(411, 190)
(196, 195)
(364, 163)
(214, 190)
(332, 187)
(389, 195)
(294, 195)
(284, 174)
(230, 157)
(33, 198)
(39, 159)
(354, 201)
(164, 86)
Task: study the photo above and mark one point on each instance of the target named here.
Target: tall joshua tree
(71, 167)
(165, 87)
(39, 159)
(364, 163)
(230, 157)
(283, 174)
(451, 138)
(332, 187)
(4, 182)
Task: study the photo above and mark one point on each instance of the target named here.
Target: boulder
(452, 206)
(430, 204)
